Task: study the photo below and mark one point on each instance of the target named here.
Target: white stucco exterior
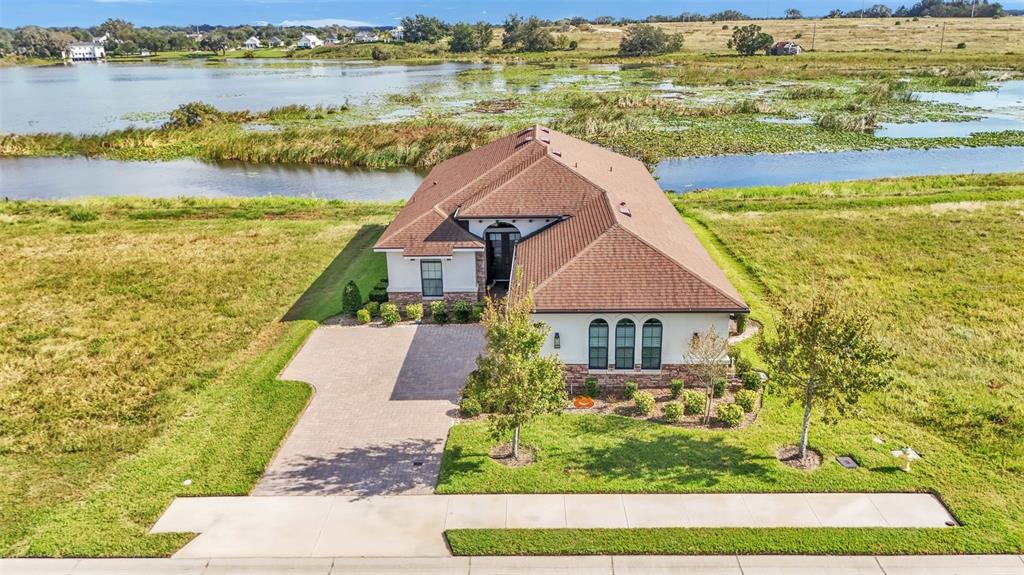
(79, 51)
(526, 226)
(677, 329)
(458, 272)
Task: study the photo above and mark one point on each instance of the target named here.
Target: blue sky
(378, 12)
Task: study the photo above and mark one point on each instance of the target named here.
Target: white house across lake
(85, 52)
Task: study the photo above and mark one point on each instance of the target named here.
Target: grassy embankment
(936, 262)
(140, 347)
(719, 107)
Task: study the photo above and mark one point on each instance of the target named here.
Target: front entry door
(501, 246)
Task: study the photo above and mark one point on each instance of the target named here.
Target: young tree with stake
(824, 354)
(513, 382)
(708, 352)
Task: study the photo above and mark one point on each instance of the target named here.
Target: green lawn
(937, 261)
(140, 347)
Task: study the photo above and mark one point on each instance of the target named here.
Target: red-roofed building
(620, 278)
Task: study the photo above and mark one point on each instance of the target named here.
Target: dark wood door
(501, 247)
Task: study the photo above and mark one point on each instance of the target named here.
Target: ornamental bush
(730, 414)
(439, 311)
(463, 311)
(644, 402)
(363, 317)
(718, 388)
(629, 390)
(676, 387)
(592, 387)
(373, 307)
(351, 299)
(673, 412)
(743, 365)
(414, 311)
(751, 380)
(693, 402)
(469, 407)
(746, 399)
(389, 314)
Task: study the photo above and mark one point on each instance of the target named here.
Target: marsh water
(60, 178)
(97, 97)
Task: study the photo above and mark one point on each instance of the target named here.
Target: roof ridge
(434, 207)
(688, 269)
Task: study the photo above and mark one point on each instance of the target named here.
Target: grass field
(936, 262)
(140, 347)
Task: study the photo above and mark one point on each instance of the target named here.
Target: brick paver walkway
(380, 414)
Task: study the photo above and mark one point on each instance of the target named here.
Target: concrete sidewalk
(597, 565)
(413, 525)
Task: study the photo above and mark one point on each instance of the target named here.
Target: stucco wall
(458, 273)
(677, 329)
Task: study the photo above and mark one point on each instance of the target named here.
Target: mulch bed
(502, 453)
(789, 456)
(613, 403)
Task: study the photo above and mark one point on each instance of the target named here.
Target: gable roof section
(621, 245)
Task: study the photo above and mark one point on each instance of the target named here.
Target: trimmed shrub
(592, 386)
(379, 293)
(743, 365)
(439, 311)
(363, 317)
(629, 390)
(478, 312)
(373, 307)
(676, 387)
(746, 399)
(751, 380)
(463, 311)
(469, 407)
(644, 402)
(351, 299)
(741, 322)
(694, 402)
(730, 414)
(389, 314)
(718, 388)
(414, 311)
(673, 412)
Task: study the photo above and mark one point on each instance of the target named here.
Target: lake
(98, 97)
(61, 178)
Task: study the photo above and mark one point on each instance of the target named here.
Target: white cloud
(319, 22)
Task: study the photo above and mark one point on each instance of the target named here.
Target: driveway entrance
(377, 423)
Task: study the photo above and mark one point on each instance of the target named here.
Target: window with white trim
(430, 275)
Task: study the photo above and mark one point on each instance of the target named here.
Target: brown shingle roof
(621, 244)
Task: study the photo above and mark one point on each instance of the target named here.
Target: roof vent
(557, 153)
(435, 182)
(624, 210)
(609, 168)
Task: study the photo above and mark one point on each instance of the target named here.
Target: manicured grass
(142, 350)
(941, 272)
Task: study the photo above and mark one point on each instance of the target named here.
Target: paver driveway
(380, 414)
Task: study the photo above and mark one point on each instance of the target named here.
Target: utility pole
(814, 30)
(942, 38)
(973, 4)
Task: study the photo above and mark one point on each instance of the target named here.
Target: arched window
(650, 351)
(598, 344)
(625, 340)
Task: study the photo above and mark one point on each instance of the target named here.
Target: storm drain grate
(847, 462)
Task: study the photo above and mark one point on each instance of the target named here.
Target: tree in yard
(420, 28)
(826, 356)
(351, 299)
(749, 40)
(794, 14)
(709, 353)
(512, 381)
(646, 40)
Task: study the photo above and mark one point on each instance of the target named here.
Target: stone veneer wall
(577, 374)
(404, 297)
(481, 276)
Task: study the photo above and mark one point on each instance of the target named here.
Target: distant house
(363, 36)
(331, 40)
(397, 33)
(253, 43)
(196, 37)
(309, 41)
(275, 42)
(85, 52)
(102, 39)
(785, 48)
